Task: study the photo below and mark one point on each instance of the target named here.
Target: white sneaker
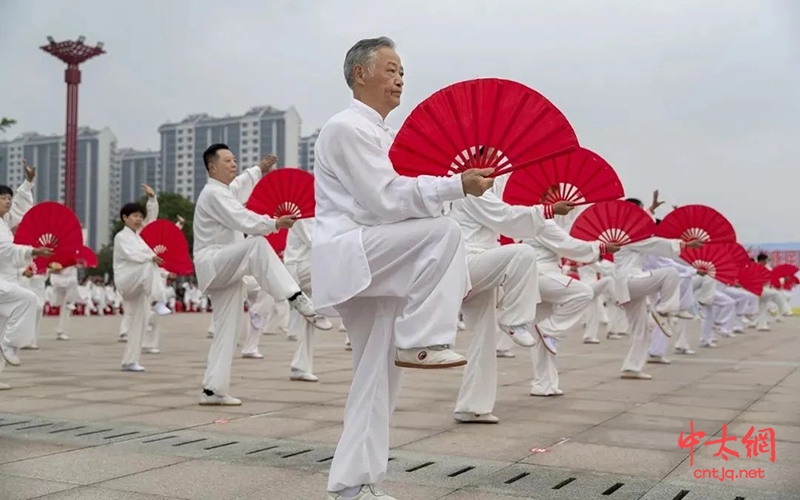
(505, 353)
(62, 336)
(662, 320)
(4, 387)
(291, 337)
(322, 323)
(71, 307)
(591, 341)
(219, 400)
(367, 492)
(252, 355)
(342, 328)
(461, 326)
(658, 360)
(685, 315)
(303, 305)
(708, 344)
(519, 334)
(162, 309)
(550, 394)
(11, 354)
(151, 350)
(613, 336)
(32, 347)
(303, 377)
(549, 342)
(133, 367)
(473, 418)
(689, 352)
(631, 375)
(435, 356)
(123, 338)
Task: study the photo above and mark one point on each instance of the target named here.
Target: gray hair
(363, 54)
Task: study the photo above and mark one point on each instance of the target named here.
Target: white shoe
(549, 342)
(133, 367)
(70, 307)
(4, 387)
(435, 356)
(505, 353)
(367, 492)
(11, 354)
(219, 400)
(123, 338)
(342, 328)
(151, 350)
(708, 344)
(591, 341)
(303, 377)
(291, 337)
(663, 323)
(685, 315)
(630, 375)
(613, 336)
(738, 329)
(32, 347)
(473, 418)
(62, 336)
(252, 355)
(658, 360)
(763, 329)
(256, 321)
(322, 323)
(554, 393)
(162, 310)
(689, 352)
(519, 334)
(461, 326)
(303, 305)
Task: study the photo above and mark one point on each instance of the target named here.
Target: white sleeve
(21, 202)
(151, 207)
(514, 221)
(560, 242)
(661, 247)
(242, 186)
(229, 212)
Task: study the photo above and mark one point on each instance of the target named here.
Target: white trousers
(514, 267)
(63, 297)
(254, 257)
(602, 288)
(419, 279)
(303, 360)
(152, 332)
(770, 295)
(564, 300)
(664, 282)
(18, 307)
(250, 335)
(720, 313)
(617, 319)
(659, 343)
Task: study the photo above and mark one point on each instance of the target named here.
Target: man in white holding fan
(385, 260)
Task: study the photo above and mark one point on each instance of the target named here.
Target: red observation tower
(73, 53)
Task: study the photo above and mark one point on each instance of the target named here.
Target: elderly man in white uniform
(385, 260)
(482, 221)
(17, 304)
(223, 257)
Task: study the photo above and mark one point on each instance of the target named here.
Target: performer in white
(223, 257)
(138, 279)
(297, 258)
(659, 342)
(482, 221)
(385, 260)
(769, 296)
(66, 294)
(564, 299)
(634, 285)
(35, 283)
(17, 304)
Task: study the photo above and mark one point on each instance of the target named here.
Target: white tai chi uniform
(744, 301)
(139, 281)
(66, 294)
(770, 296)
(17, 303)
(597, 276)
(564, 299)
(36, 284)
(223, 257)
(482, 220)
(634, 285)
(659, 343)
(394, 270)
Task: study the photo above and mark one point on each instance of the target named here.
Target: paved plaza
(74, 427)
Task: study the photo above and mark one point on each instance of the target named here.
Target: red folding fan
(278, 241)
(481, 123)
(84, 256)
(580, 177)
(790, 282)
(739, 253)
(616, 222)
(52, 225)
(505, 240)
(718, 261)
(285, 191)
(780, 272)
(752, 278)
(169, 243)
(697, 222)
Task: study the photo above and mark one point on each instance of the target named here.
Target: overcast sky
(698, 98)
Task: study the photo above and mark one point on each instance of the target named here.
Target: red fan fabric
(739, 254)
(285, 191)
(697, 222)
(790, 282)
(616, 222)
(580, 177)
(87, 256)
(752, 277)
(780, 272)
(718, 261)
(481, 123)
(278, 241)
(169, 243)
(505, 240)
(52, 225)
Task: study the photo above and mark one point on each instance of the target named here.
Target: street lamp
(73, 53)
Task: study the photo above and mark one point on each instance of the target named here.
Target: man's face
(133, 221)
(223, 168)
(386, 79)
(5, 204)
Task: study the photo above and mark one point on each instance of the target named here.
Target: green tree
(6, 123)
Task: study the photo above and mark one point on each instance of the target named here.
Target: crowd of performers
(404, 262)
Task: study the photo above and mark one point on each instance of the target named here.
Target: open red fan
(752, 278)
(169, 243)
(481, 123)
(285, 191)
(697, 222)
(84, 256)
(780, 272)
(790, 282)
(616, 222)
(718, 261)
(580, 177)
(52, 225)
(739, 253)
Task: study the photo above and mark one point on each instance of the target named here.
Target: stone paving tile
(22, 488)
